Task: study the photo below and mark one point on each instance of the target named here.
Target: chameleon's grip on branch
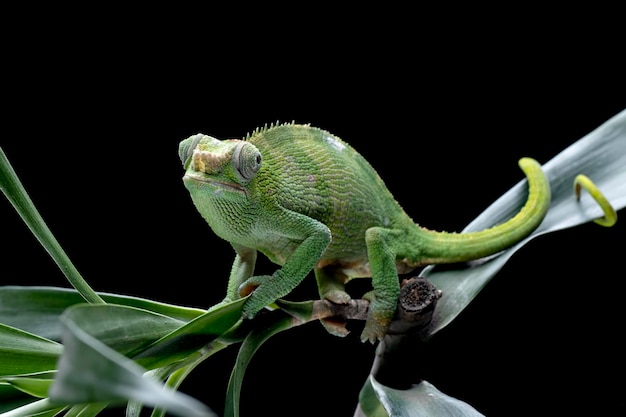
(610, 216)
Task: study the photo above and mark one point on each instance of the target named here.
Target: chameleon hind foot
(334, 326)
(337, 297)
(610, 216)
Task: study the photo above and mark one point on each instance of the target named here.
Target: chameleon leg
(242, 269)
(331, 287)
(385, 282)
(265, 289)
(610, 216)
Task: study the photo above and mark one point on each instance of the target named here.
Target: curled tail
(443, 247)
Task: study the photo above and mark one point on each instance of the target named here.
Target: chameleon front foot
(261, 294)
(335, 326)
(610, 216)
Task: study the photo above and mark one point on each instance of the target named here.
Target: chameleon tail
(443, 247)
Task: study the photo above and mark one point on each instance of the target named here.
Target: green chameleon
(308, 201)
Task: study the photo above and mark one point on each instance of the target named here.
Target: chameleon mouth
(218, 185)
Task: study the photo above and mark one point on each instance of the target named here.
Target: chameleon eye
(186, 147)
(246, 160)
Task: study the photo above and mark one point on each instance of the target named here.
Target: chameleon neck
(443, 247)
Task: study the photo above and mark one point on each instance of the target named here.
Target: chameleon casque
(309, 201)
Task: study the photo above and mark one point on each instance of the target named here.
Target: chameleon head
(220, 166)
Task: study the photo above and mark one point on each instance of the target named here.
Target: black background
(93, 114)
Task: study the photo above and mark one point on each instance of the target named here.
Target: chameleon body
(309, 201)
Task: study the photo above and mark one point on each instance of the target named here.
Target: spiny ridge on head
(265, 128)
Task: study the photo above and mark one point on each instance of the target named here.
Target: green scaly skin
(309, 201)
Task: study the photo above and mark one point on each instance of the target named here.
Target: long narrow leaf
(12, 398)
(601, 155)
(36, 384)
(40, 408)
(174, 381)
(122, 328)
(12, 187)
(192, 336)
(248, 348)
(91, 372)
(37, 309)
(86, 410)
(369, 403)
(421, 400)
(25, 353)
(173, 378)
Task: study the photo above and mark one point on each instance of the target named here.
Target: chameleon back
(315, 173)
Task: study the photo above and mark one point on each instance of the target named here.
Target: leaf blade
(91, 372)
(37, 309)
(192, 336)
(122, 328)
(12, 187)
(248, 348)
(420, 400)
(25, 353)
(35, 385)
(601, 155)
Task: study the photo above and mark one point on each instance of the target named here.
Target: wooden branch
(399, 356)
(416, 303)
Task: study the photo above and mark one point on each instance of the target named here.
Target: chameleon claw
(610, 216)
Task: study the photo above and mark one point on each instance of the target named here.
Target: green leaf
(601, 155)
(420, 400)
(192, 336)
(92, 368)
(122, 328)
(15, 192)
(25, 353)
(36, 384)
(40, 408)
(134, 408)
(302, 310)
(151, 339)
(91, 372)
(12, 398)
(86, 410)
(369, 404)
(248, 348)
(37, 309)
